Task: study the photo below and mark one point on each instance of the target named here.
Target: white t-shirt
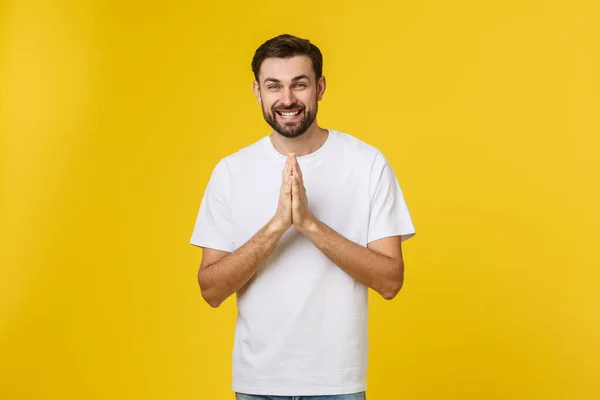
(301, 328)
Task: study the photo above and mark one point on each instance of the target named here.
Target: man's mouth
(289, 114)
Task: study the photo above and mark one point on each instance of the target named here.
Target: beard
(291, 129)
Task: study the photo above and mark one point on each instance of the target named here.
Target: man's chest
(339, 198)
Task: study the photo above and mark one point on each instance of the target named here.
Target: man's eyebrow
(269, 79)
(296, 78)
(299, 77)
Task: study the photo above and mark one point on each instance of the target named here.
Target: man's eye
(301, 85)
(273, 87)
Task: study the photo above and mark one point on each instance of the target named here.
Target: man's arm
(379, 266)
(221, 274)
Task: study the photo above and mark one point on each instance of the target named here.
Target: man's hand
(283, 216)
(302, 218)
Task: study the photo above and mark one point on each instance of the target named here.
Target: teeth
(289, 114)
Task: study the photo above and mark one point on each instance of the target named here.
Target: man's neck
(309, 142)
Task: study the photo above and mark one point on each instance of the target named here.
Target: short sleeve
(389, 214)
(213, 227)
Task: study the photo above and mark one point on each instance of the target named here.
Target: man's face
(289, 94)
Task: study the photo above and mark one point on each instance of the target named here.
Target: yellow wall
(113, 114)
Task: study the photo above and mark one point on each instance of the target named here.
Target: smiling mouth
(288, 114)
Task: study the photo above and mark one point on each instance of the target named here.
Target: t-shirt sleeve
(213, 227)
(389, 214)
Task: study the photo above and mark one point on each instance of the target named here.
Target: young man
(299, 225)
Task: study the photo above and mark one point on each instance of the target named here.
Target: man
(299, 225)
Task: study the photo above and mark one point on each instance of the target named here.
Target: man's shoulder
(245, 154)
(354, 145)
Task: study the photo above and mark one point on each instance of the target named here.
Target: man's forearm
(221, 279)
(377, 271)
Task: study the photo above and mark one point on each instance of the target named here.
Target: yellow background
(113, 115)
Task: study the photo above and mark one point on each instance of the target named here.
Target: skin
(294, 93)
(291, 84)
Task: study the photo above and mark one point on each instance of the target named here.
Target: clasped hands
(292, 208)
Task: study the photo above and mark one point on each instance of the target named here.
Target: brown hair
(287, 46)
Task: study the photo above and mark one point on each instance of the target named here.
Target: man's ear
(256, 89)
(321, 85)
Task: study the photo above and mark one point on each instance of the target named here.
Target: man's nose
(287, 97)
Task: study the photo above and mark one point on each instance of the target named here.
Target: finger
(300, 180)
(288, 167)
(297, 170)
(293, 163)
(295, 186)
(287, 188)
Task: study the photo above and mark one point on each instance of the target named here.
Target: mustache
(290, 108)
